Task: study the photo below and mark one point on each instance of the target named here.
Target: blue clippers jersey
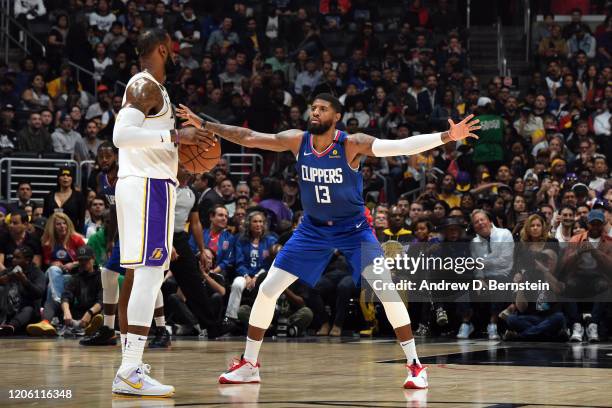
(106, 189)
(330, 189)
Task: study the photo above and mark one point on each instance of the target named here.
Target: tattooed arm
(276, 142)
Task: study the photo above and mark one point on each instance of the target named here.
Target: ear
(338, 116)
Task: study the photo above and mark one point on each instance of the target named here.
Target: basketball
(196, 159)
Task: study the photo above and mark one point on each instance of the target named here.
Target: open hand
(191, 119)
(193, 136)
(463, 129)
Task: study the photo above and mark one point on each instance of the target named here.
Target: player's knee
(239, 283)
(267, 289)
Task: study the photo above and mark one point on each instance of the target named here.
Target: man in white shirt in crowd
(65, 138)
(496, 248)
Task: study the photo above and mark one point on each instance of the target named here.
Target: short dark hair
(26, 251)
(22, 214)
(335, 102)
(567, 207)
(22, 182)
(149, 39)
(213, 210)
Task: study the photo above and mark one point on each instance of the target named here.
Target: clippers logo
(157, 254)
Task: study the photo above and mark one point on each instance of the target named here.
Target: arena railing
(243, 164)
(7, 24)
(41, 173)
(118, 86)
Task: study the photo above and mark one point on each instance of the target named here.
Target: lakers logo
(157, 254)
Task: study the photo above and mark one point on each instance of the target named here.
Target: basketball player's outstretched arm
(276, 142)
(143, 97)
(362, 144)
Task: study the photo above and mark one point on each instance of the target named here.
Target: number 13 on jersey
(322, 193)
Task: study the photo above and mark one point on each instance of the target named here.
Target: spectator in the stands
(35, 97)
(187, 26)
(102, 18)
(582, 41)
(252, 251)
(231, 75)
(21, 292)
(94, 219)
(59, 243)
(24, 195)
(185, 58)
(575, 24)
(9, 140)
(309, 78)
(357, 110)
(8, 93)
(87, 146)
(219, 239)
(64, 138)
(114, 39)
(66, 199)
(553, 47)
(16, 235)
(29, 10)
(34, 138)
(430, 97)
(397, 224)
(279, 60)
(223, 38)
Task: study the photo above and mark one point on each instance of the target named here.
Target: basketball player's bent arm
(143, 97)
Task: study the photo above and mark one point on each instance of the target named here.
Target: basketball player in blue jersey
(331, 192)
(145, 193)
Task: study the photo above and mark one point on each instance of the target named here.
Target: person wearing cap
(37, 226)
(586, 271)
(81, 300)
(605, 206)
(291, 194)
(17, 235)
(66, 199)
(102, 105)
(65, 138)
(488, 147)
(33, 138)
(185, 58)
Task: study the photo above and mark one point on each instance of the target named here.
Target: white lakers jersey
(160, 162)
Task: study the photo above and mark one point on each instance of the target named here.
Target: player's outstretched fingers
(467, 118)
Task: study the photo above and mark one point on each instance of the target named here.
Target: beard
(171, 68)
(320, 128)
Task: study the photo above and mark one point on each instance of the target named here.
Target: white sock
(160, 321)
(134, 347)
(410, 351)
(109, 321)
(251, 350)
(123, 336)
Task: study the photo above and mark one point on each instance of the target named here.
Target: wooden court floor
(320, 373)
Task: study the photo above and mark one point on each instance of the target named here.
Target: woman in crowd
(66, 199)
(252, 251)
(36, 97)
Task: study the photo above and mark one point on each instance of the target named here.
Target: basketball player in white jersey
(145, 194)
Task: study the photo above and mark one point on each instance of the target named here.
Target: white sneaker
(465, 330)
(577, 332)
(492, 331)
(417, 376)
(591, 332)
(241, 372)
(136, 381)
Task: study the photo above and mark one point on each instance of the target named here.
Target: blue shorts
(310, 248)
(113, 263)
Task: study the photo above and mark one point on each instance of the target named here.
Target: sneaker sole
(126, 394)
(95, 323)
(223, 380)
(110, 343)
(410, 385)
(40, 332)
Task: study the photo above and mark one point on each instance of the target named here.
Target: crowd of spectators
(538, 175)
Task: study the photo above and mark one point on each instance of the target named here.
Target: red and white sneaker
(417, 376)
(241, 372)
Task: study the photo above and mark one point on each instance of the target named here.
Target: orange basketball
(196, 159)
